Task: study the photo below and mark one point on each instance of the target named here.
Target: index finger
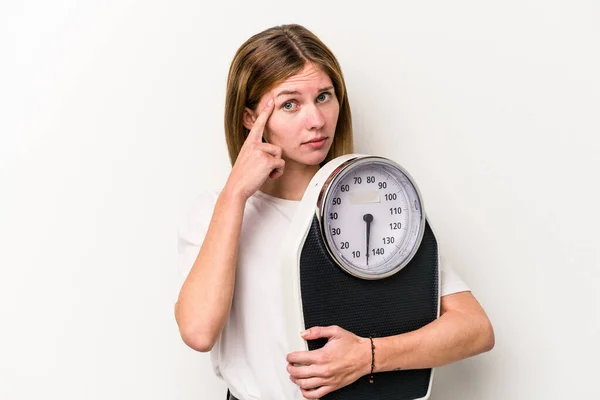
(259, 125)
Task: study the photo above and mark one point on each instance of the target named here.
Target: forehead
(310, 78)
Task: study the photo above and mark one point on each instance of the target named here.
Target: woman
(286, 114)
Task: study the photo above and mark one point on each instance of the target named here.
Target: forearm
(455, 335)
(205, 297)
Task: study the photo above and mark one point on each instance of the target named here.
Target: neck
(292, 184)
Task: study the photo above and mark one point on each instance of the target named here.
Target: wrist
(372, 354)
(233, 196)
(367, 356)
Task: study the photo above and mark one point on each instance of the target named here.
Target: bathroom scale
(361, 254)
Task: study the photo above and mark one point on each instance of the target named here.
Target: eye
(323, 97)
(289, 105)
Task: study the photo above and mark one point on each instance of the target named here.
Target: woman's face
(304, 118)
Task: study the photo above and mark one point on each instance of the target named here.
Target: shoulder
(203, 202)
(196, 218)
(451, 282)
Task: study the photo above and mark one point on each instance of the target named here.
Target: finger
(258, 128)
(272, 149)
(316, 393)
(317, 332)
(309, 384)
(278, 167)
(275, 174)
(305, 371)
(305, 357)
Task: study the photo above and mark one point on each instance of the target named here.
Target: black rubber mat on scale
(401, 303)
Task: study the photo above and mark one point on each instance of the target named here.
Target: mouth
(316, 143)
(317, 140)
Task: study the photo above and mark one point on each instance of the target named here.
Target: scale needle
(368, 218)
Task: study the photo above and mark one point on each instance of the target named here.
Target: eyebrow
(288, 92)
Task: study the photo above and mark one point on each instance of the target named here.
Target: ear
(248, 118)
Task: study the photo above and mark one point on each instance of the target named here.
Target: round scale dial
(371, 216)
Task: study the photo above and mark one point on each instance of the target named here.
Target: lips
(317, 139)
(316, 143)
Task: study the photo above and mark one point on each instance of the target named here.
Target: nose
(314, 118)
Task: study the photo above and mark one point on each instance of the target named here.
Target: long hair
(265, 60)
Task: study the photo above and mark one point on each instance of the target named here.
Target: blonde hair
(265, 60)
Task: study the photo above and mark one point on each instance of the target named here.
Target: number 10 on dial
(372, 218)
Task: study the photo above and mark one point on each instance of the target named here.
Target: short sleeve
(450, 282)
(190, 235)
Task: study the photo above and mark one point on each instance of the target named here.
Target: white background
(111, 122)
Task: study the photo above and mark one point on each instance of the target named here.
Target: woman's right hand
(256, 161)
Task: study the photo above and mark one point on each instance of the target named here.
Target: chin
(314, 158)
(317, 160)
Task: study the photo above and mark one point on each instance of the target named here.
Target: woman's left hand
(345, 358)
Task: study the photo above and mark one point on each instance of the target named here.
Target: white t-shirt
(250, 354)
